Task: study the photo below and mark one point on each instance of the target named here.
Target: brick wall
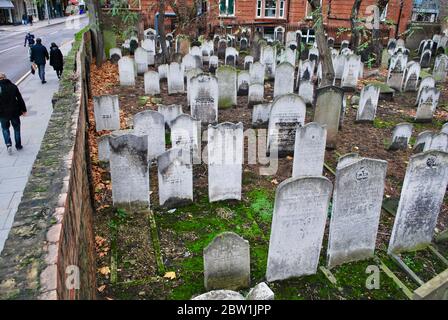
(53, 229)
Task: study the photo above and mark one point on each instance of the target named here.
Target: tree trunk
(97, 30)
(322, 45)
(353, 24)
(161, 30)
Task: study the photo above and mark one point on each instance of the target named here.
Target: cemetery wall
(50, 251)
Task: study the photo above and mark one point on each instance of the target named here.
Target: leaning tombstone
(411, 76)
(186, 134)
(175, 78)
(401, 136)
(190, 74)
(357, 200)
(427, 82)
(107, 112)
(129, 171)
(225, 160)
(347, 159)
(368, 103)
(329, 103)
(260, 115)
(422, 141)
(260, 292)
(169, 112)
(284, 79)
(425, 58)
(103, 143)
(227, 262)
(175, 176)
(243, 83)
(396, 71)
(422, 195)
(126, 71)
(151, 124)
(227, 79)
(428, 101)
(298, 224)
(438, 142)
(309, 150)
(152, 83)
(204, 97)
(287, 114)
(440, 68)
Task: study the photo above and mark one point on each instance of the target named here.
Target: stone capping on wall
(32, 263)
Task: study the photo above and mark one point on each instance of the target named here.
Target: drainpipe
(397, 28)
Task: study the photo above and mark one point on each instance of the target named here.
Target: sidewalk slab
(40, 24)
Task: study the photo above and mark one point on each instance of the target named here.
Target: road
(14, 58)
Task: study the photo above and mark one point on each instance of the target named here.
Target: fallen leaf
(104, 270)
(101, 288)
(170, 275)
(274, 181)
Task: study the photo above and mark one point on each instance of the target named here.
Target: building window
(226, 7)
(270, 9)
(308, 36)
(425, 10)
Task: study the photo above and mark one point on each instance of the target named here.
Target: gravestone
(438, 142)
(306, 70)
(126, 71)
(290, 56)
(440, 68)
(357, 200)
(243, 83)
(220, 295)
(227, 79)
(427, 82)
(268, 59)
(188, 63)
(248, 61)
(284, 79)
(368, 103)
(298, 224)
(256, 93)
(243, 44)
(260, 115)
(152, 83)
(186, 134)
(129, 171)
(445, 128)
(401, 136)
(169, 112)
(347, 159)
(175, 176)
(260, 292)
(344, 44)
(329, 104)
(313, 55)
(391, 45)
(163, 71)
(351, 72)
(428, 101)
(425, 58)
(227, 262)
(330, 42)
(257, 71)
(396, 71)
(151, 124)
(190, 74)
(107, 112)
(141, 59)
(231, 56)
(149, 45)
(115, 54)
(204, 97)
(225, 159)
(213, 64)
(175, 78)
(287, 114)
(222, 45)
(338, 66)
(306, 91)
(422, 195)
(411, 76)
(423, 141)
(309, 150)
(103, 143)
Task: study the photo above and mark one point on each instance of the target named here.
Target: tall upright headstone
(428, 101)
(227, 80)
(204, 97)
(107, 112)
(127, 71)
(186, 134)
(152, 83)
(175, 78)
(284, 79)
(368, 103)
(152, 125)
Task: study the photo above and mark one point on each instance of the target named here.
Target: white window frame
(260, 7)
(309, 15)
(227, 5)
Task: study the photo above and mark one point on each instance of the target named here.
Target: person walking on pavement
(39, 55)
(12, 107)
(30, 19)
(56, 59)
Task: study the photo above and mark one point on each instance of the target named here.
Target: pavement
(41, 24)
(16, 168)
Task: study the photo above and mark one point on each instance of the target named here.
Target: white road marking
(10, 48)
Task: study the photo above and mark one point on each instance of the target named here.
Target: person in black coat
(39, 55)
(56, 59)
(12, 107)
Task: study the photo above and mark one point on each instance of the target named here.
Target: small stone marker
(227, 80)
(129, 171)
(309, 150)
(422, 195)
(260, 292)
(127, 71)
(107, 112)
(151, 124)
(260, 115)
(423, 140)
(225, 160)
(152, 83)
(298, 224)
(396, 71)
(368, 103)
(175, 176)
(306, 91)
(220, 295)
(268, 58)
(400, 136)
(357, 199)
(227, 262)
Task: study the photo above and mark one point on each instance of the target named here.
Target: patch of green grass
(382, 124)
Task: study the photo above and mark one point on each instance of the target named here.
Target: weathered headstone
(427, 82)
(169, 112)
(115, 54)
(440, 68)
(428, 101)
(445, 128)
(401, 136)
(243, 83)
(260, 292)
(290, 56)
(257, 71)
(284, 79)
(175, 176)
(338, 66)
(306, 91)
(227, 262)
(396, 71)
(268, 59)
(231, 56)
(204, 97)
(129, 171)
(357, 200)
(163, 71)
(220, 295)
(368, 103)
(152, 83)
(256, 93)
(175, 78)
(422, 195)
(190, 74)
(126, 71)
(151, 124)
(298, 224)
(213, 64)
(186, 134)
(227, 79)
(141, 60)
(248, 61)
(107, 112)
(422, 141)
(438, 142)
(347, 159)
(329, 103)
(260, 115)
(411, 76)
(225, 160)
(309, 150)
(222, 45)
(425, 58)
(351, 73)
(306, 70)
